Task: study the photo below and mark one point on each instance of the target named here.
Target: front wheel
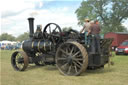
(19, 60)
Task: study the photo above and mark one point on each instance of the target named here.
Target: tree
(66, 29)
(110, 13)
(23, 37)
(6, 36)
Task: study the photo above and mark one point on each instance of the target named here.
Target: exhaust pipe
(31, 27)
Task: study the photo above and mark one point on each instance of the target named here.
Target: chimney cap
(30, 18)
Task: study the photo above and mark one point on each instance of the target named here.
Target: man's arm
(89, 30)
(99, 28)
(82, 29)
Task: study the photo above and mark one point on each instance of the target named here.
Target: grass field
(49, 75)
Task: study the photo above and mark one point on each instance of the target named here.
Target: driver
(86, 29)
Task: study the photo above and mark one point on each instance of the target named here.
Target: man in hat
(94, 30)
(85, 29)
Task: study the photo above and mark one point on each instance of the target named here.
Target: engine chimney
(31, 26)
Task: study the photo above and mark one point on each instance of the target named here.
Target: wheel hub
(69, 59)
(20, 60)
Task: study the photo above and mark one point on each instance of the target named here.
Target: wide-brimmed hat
(87, 20)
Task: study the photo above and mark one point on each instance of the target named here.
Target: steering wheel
(52, 32)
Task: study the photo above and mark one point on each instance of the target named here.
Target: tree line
(6, 36)
(22, 37)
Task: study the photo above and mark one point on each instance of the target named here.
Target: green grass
(49, 75)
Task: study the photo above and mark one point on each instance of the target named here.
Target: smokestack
(31, 27)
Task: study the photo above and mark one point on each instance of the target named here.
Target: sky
(14, 14)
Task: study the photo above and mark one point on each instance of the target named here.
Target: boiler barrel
(37, 46)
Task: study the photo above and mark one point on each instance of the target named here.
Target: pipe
(31, 27)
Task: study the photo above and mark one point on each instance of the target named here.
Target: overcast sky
(14, 14)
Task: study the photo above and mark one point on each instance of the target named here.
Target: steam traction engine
(67, 50)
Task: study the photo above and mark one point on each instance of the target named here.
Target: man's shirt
(95, 29)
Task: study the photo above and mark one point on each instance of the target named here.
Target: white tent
(6, 42)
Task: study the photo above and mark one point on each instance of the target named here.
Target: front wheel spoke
(16, 63)
(16, 60)
(22, 64)
(71, 50)
(66, 50)
(19, 66)
(79, 56)
(19, 56)
(69, 69)
(78, 59)
(63, 51)
(65, 56)
(76, 53)
(75, 69)
(75, 49)
(63, 66)
(76, 64)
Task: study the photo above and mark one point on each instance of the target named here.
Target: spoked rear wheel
(71, 58)
(19, 60)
